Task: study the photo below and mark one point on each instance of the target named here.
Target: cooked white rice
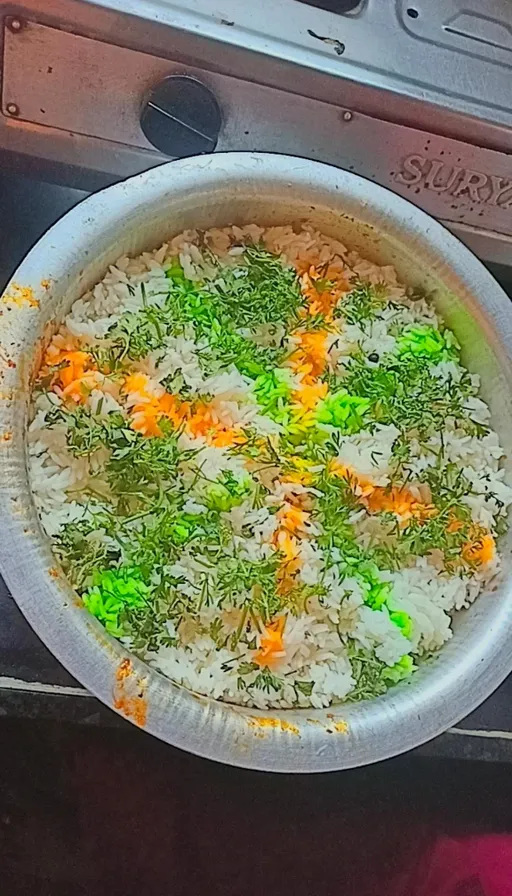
(264, 468)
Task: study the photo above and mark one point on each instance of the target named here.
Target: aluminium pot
(139, 214)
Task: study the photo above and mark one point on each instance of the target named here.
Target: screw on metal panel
(12, 109)
(347, 116)
(14, 25)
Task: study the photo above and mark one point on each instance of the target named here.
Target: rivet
(12, 109)
(347, 116)
(15, 25)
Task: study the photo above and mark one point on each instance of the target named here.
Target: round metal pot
(140, 214)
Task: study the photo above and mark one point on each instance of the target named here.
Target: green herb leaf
(305, 687)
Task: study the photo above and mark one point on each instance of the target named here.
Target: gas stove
(413, 94)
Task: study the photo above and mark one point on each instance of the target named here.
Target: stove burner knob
(181, 117)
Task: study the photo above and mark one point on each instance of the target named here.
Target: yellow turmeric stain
(20, 295)
(341, 727)
(265, 724)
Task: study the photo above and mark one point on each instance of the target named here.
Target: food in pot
(264, 468)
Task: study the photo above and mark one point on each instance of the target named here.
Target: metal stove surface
(414, 95)
(455, 53)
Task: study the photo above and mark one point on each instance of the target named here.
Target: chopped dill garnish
(253, 582)
(226, 347)
(363, 303)
(80, 553)
(267, 681)
(372, 676)
(87, 431)
(258, 290)
(139, 332)
(143, 468)
(367, 672)
(403, 391)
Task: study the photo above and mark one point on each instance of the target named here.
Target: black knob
(181, 117)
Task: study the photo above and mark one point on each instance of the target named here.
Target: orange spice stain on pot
(263, 725)
(129, 694)
(20, 296)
